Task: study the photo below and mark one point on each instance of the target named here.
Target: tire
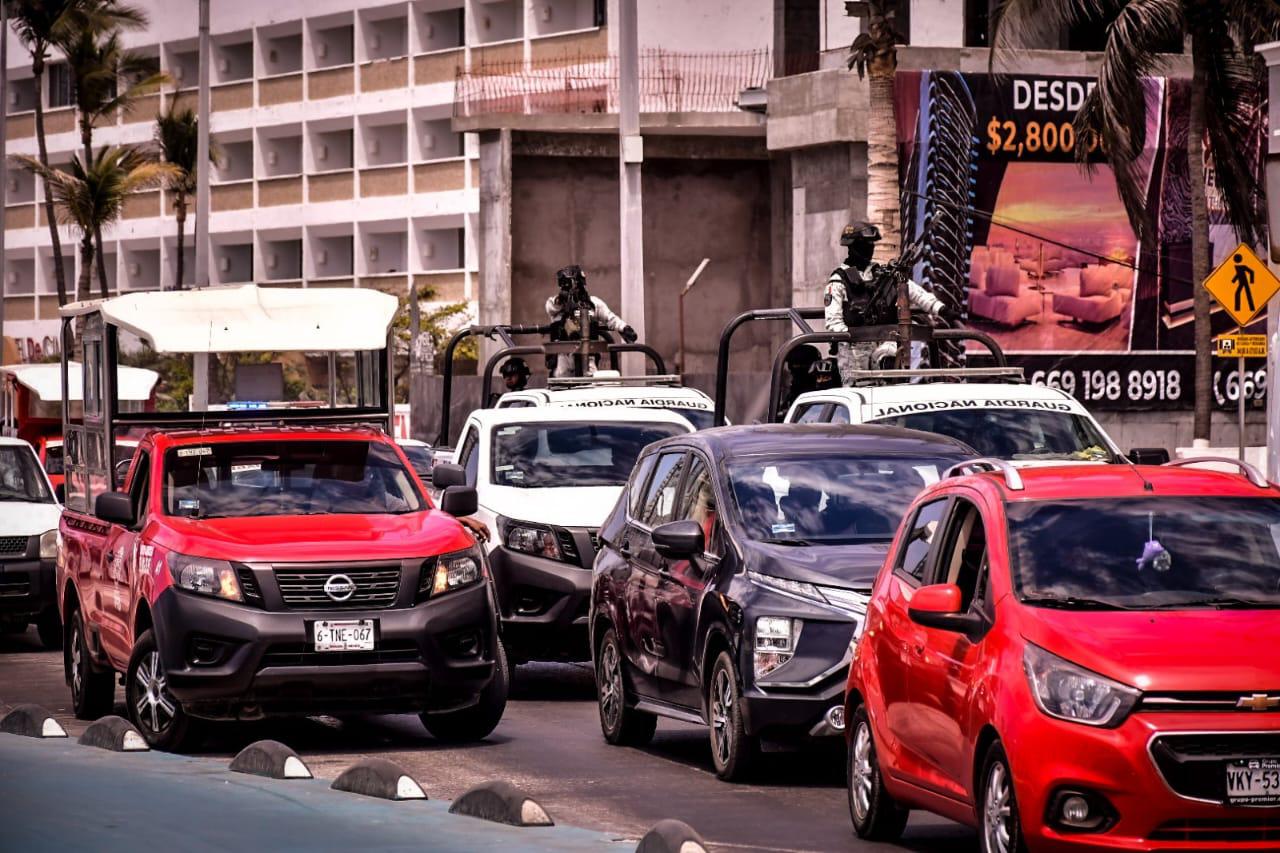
(733, 752)
(875, 814)
(152, 709)
(999, 824)
(93, 693)
(476, 722)
(49, 627)
(620, 723)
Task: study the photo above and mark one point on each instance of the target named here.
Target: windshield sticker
(501, 468)
(511, 430)
(785, 527)
(195, 451)
(942, 405)
(188, 505)
(250, 466)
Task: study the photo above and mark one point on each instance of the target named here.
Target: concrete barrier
(31, 721)
(271, 759)
(501, 802)
(114, 733)
(381, 778)
(671, 836)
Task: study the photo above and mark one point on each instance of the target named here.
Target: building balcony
(384, 181)
(273, 192)
(331, 186)
(440, 176)
(383, 74)
(441, 66)
(331, 82)
(283, 89)
(237, 195)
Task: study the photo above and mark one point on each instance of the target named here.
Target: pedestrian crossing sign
(1243, 285)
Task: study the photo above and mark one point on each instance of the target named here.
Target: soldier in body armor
(566, 309)
(856, 296)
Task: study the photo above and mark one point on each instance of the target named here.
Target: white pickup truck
(1012, 421)
(546, 478)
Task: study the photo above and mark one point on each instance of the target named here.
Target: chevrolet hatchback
(1074, 658)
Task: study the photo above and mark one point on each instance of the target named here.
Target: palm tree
(176, 136)
(91, 197)
(1225, 73)
(106, 76)
(40, 24)
(874, 55)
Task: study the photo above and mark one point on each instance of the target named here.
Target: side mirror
(114, 508)
(60, 493)
(459, 501)
(1149, 456)
(446, 474)
(678, 540)
(938, 606)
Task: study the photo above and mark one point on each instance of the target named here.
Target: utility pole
(4, 156)
(200, 361)
(630, 159)
(1271, 54)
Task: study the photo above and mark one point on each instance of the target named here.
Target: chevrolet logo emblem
(1258, 702)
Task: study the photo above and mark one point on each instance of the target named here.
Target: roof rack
(1012, 479)
(665, 379)
(1253, 474)
(878, 377)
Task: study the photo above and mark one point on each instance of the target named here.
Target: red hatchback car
(1077, 657)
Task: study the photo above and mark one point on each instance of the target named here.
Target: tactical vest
(869, 303)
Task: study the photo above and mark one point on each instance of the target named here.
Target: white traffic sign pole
(1271, 54)
(1240, 404)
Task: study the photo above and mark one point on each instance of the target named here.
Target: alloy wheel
(77, 678)
(721, 714)
(997, 810)
(154, 705)
(610, 686)
(862, 777)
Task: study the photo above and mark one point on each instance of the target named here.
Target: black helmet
(859, 232)
(569, 276)
(802, 357)
(514, 367)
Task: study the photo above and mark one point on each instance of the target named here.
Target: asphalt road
(549, 744)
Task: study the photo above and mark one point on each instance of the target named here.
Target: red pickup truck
(244, 573)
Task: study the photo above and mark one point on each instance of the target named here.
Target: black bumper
(27, 587)
(229, 661)
(543, 604)
(792, 702)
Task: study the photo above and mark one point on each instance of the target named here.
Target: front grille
(1193, 765)
(249, 586)
(302, 588)
(14, 588)
(12, 545)
(568, 540)
(1263, 829)
(1209, 701)
(302, 654)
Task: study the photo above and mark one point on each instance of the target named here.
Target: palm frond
(1014, 24)
(1234, 85)
(1253, 22)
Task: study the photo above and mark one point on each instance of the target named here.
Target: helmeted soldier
(854, 297)
(565, 309)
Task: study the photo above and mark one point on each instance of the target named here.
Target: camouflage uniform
(863, 356)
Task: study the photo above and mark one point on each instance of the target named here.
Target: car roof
(557, 396)
(805, 439)
(9, 441)
(234, 434)
(992, 394)
(572, 414)
(1065, 482)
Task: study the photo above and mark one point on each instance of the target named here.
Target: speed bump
(272, 759)
(114, 733)
(31, 721)
(379, 777)
(501, 802)
(671, 836)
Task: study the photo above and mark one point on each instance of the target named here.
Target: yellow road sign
(1243, 285)
(1241, 346)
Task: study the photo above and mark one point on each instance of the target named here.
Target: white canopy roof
(45, 381)
(250, 318)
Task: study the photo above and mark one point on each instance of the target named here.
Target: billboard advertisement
(1037, 250)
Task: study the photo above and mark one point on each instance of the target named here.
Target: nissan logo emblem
(339, 587)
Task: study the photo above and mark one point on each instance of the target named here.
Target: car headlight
(776, 639)
(49, 545)
(205, 576)
(450, 572)
(1070, 692)
(797, 588)
(532, 539)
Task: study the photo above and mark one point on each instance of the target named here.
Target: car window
(468, 458)
(53, 460)
(572, 454)
(964, 561)
(699, 504)
(20, 476)
(810, 413)
(140, 488)
(1015, 433)
(660, 497)
(921, 536)
(840, 415)
(640, 479)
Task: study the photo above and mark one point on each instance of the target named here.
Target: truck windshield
(828, 501)
(1013, 433)
(259, 478)
(552, 455)
(20, 477)
(1147, 553)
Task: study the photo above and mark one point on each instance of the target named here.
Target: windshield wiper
(776, 541)
(1071, 602)
(1221, 602)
